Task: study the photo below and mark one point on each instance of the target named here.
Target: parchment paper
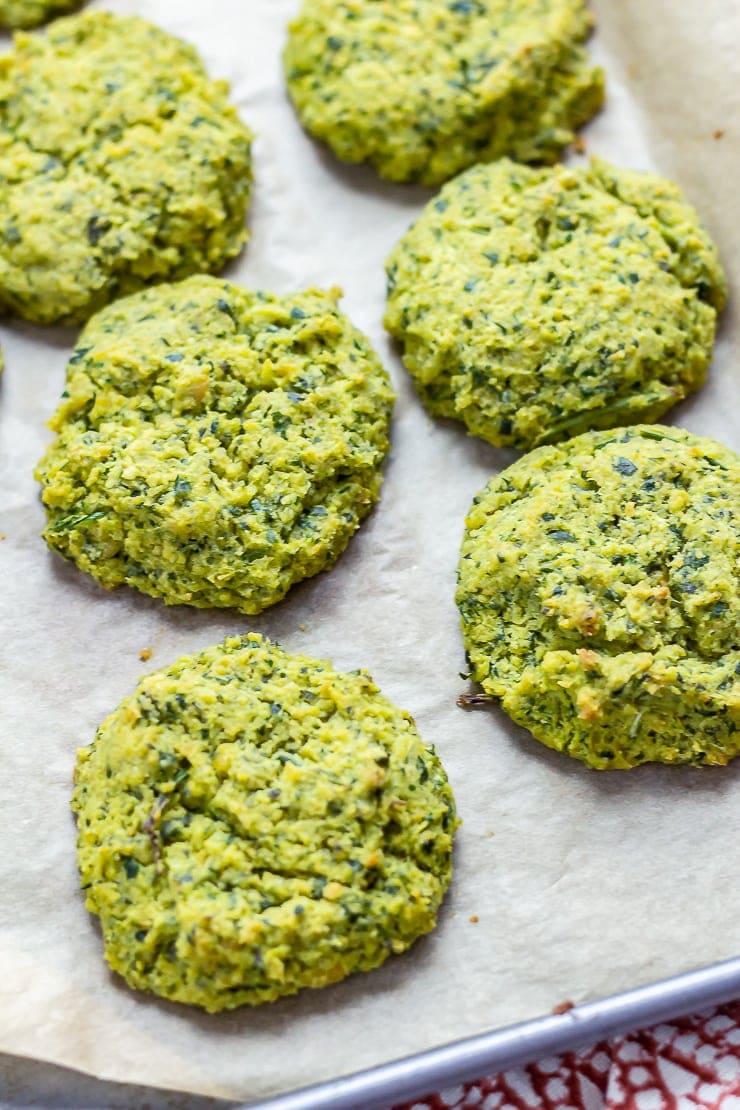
(583, 884)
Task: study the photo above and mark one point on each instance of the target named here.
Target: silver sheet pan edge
(380, 1087)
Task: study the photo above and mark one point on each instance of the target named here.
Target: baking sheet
(582, 884)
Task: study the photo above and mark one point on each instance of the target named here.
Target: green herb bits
(425, 88)
(251, 823)
(215, 445)
(600, 598)
(121, 164)
(533, 304)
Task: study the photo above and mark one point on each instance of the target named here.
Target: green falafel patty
(535, 304)
(121, 164)
(215, 445)
(29, 13)
(252, 822)
(600, 598)
(425, 88)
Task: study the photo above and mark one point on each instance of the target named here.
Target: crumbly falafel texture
(533, 304)
(30, 13)
(252, 822)
(600, 598)
(121, 164)
(215, 445)
(423, 89)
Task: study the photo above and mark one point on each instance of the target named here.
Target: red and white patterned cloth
(689, 1064)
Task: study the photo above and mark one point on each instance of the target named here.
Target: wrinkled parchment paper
(583, 884)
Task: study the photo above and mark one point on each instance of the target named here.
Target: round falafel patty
(534, 304)
(121, 164)
(215, 445)
(30, 13)
(252, 822)
(600, 597)
(425, 88)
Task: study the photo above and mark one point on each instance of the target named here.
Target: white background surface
(583, 883)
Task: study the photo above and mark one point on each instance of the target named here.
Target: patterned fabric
(689, 1064)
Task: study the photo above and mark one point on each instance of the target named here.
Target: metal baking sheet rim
(380, 1087)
